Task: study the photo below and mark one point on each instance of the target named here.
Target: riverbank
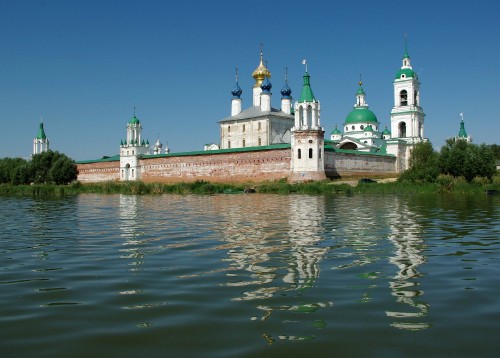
(349, 187)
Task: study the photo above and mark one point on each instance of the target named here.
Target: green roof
(360, 90)
(386, 131)
(134, 120)
(41, 132)
(462, 133)
(361, 115)
(335, 131)
(368, 128)
(408, 72)
(307, 94)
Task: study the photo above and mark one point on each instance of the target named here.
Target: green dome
(386, 131)
(368, 128)
(134, 120)
(361, 115)
(335, 131)
(408, 72)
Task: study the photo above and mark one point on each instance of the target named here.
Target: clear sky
(84, 65)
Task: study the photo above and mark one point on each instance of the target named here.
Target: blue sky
(84, 65)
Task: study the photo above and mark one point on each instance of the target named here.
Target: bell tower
(307, 140)
(407, 116)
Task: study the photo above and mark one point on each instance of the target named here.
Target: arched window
(243, 138)
(229, 144)
(346, 128)
(415, 98)
(319, 154)
(258, 126)
(243, 128)
(260, 140)
(229, 129)
(402, 130)
(353, 127)
(403, 98)
(132, 172)
(299, 153)
(310, 153)
(361, 127)
(309, 116)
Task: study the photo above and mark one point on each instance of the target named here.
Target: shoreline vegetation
(352, 187)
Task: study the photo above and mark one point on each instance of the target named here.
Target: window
(319, 154)
(299, 153)
(310, 153)
(362, 127)
(243, 128)
(229, 144)
(132, 172)
(228, 129)
(260, 140)
(402, 130)
(258, 126)
(243, 139)
(346, 129)
(133, 152)
(415, 97)
(353, 127)
(403, 98)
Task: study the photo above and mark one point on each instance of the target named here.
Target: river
(250, 275)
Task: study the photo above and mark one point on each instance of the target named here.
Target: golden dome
(260, 72)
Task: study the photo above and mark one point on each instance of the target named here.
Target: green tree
(463, 159)
(8, 166)
(52, 167)
(63, 170)
(423, 164)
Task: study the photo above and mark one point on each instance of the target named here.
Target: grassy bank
(277, 187)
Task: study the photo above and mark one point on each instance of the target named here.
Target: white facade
(130, 151)
(307, 142)
(407, 116)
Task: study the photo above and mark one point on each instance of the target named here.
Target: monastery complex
(265, 143)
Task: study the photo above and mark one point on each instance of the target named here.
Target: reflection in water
(129, 230)
(406, 236)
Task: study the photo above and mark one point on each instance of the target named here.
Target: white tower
(40, 142)
(286, 98)
(307, 142)
(131, 149)
(236, 101)
(407, 116)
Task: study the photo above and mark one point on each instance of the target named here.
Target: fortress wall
(99, 171)
(222, 167)
(349, 164)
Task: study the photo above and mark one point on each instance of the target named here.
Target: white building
(261, 124)
(130, 149)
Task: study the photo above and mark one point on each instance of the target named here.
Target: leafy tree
(423, 164)
(462, 159)
(496, 150)
(8, 166)
(63, 170)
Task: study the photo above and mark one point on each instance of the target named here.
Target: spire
(406, 47)
(406, 57)
(307, 93)
(462, 133)
(41, 132)
(286, 91)
(261, 71)
(237, 91)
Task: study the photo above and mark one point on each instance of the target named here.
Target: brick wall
(225, 167)
(347, 164)
(97, 172)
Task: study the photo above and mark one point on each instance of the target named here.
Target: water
(250, 275)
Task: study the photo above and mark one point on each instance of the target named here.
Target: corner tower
(407, 116)
(40, 142)
(130, 151)
(307, 139)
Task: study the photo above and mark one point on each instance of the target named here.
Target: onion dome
(260, 72)
(386, 131)
(286, 91)
(237, 91)
(335, 131)
(158, 144)
(41, 132)
(368, 128)
(134, 120)
(266, 85)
